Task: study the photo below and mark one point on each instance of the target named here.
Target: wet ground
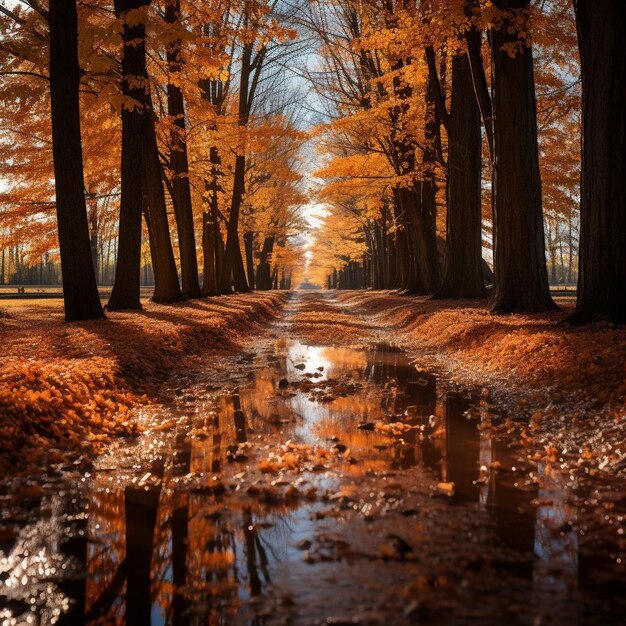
(306, 483)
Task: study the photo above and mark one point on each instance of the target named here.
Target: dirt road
(316, 477)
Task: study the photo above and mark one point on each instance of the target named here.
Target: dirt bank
(75, 386)
(569, 382)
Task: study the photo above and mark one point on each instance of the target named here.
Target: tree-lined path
(312, 311)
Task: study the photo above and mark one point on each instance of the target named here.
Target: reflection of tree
(556, 539)
(239, 418)
(122, 527)
(462, 448)
(211, 576)
(486, 454)
(251, 544)
(141, 517)
(180, 522)
(106, 557)
(74, 546)
(162, 589)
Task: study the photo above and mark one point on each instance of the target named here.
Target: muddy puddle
(318, 486)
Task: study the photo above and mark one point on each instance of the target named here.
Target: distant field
(46, 299)
(10, 292)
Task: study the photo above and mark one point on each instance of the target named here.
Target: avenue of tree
(448, 130)
(454, 132)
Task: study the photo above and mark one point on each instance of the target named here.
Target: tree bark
(209, 282)
(142, 185)
(80, 293)
(521, 278)
(400, 254)
(570, 245)
(462, 276)
(127, 281)
(166, 286)
(233, 273)
(473, 40)
(212, 243)
(232, 270)
(602, 251)
(263, 278)
(94, 239)
(427, 257)
(179, 164)
(248, 242)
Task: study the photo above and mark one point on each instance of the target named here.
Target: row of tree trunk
(143, 180)
(409, 260)
(509, 118)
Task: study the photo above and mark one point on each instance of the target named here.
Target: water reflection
(167, 548)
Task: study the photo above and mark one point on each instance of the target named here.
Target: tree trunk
(263, 279)
(179, 164)
(401, 257)
(377, 258)
(462, 276)
(561, 277)
(428, 259)
(473, 40)
(602, 252)
(127, 281)
(552, 243)
(94, 239)
(232, 269)
(233, 273)
(385, 248)
(570, 243)
(142, 185)
(248, 242)
(80, 293)
(209, 282)
(213, 245)
(410, 208)
(218, 242)
(521, 278)
(166, 286)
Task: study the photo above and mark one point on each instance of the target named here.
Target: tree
(602, 265)
(142, 184)
(259, 32)
(381, 103)
(126, 287)
(80, 293)
(462, 275)
(521, 277)
(233, 273)
(179, 162)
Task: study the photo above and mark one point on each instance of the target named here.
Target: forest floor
(312, 458)
(568, 384)
(76, 387)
